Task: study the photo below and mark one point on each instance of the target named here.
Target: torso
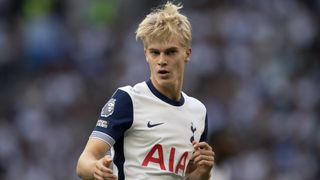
(158, 144)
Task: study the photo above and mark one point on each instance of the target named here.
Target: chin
(165, 81)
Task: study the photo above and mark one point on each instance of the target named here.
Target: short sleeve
(205, 131)
(115, 118)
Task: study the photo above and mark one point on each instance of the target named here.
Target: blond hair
(163, 24)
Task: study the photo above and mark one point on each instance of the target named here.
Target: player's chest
(166, 124)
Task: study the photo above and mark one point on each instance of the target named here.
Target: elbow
(78, 170)
(83, 169)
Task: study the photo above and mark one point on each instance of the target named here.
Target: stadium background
(255, 65)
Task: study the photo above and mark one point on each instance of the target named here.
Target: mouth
(163, 72)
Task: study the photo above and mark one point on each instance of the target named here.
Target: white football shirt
(151, 135)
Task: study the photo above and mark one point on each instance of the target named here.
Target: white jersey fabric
(151, 135)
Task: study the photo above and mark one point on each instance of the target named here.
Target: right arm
(115, 118)
(93, 163)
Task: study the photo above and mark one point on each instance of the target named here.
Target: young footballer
(153, 130)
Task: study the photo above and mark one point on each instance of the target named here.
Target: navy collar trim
(163, 97)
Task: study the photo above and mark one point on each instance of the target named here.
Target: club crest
(193, 129)
(108, 109)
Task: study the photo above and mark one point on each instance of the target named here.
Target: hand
(102, 169)
(203, 157)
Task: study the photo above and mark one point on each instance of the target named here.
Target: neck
(170, 90)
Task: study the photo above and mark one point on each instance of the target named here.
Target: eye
(171, 52)
(154, 53)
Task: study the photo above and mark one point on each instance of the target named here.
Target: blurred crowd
(255, 65)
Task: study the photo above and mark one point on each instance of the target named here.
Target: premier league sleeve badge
(108, 109)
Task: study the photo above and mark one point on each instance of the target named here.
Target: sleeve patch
(116, 116)
(108, 109)
(102, 123)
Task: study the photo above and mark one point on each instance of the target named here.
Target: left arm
(201, 163)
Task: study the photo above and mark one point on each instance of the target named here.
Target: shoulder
(120, 103)
(125, 93)
(137, 88)
(194, 102)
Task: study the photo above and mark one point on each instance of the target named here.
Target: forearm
(85, 166)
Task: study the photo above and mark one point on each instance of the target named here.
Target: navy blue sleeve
(205, 131)
(115, 118)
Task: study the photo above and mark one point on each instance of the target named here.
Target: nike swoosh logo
(153, 125)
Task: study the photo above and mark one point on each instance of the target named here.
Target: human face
(167, 63)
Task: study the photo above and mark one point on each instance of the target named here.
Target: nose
(162, 60)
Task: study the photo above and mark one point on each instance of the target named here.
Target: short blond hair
(163, 24)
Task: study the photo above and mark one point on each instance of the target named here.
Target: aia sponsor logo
(156, 157)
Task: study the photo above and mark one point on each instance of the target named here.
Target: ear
(188, 54)
(145, 54)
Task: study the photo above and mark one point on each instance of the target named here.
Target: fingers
(103, 170)
(201, 145)
(98, 176)
(203, 158)
(107, 160)
(203, 154)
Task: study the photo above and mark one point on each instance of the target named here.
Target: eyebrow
(168, 49)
